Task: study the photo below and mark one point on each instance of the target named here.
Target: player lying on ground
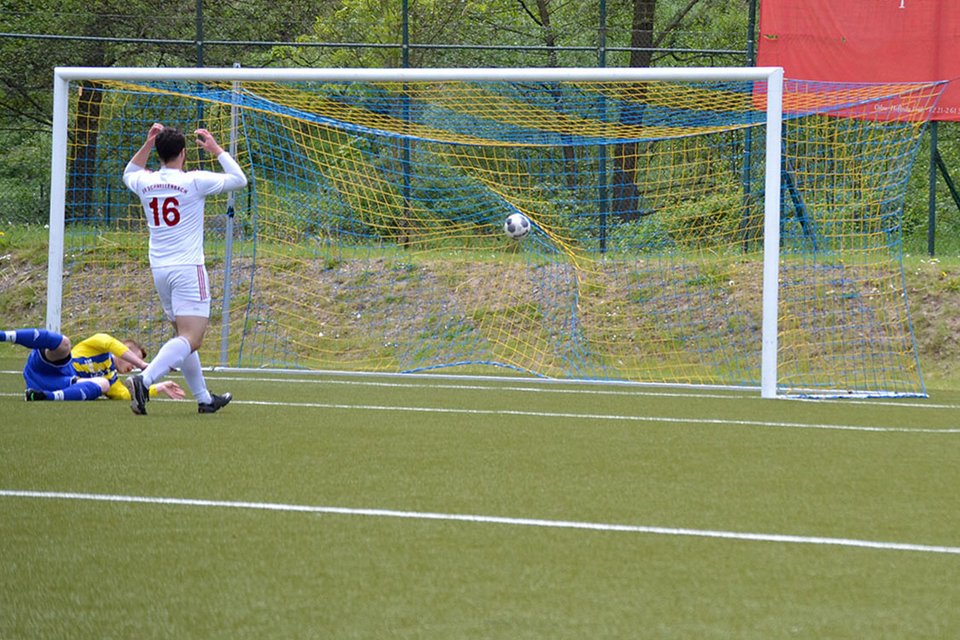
(56, 370)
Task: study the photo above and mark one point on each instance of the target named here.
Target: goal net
(677, 236)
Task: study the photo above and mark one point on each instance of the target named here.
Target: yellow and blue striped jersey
(93, 358)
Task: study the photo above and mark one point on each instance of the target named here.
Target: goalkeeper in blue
(57, 370)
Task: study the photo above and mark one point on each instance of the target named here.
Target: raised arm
(140, 158)
(234, 177)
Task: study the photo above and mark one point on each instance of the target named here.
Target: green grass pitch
(323, 506)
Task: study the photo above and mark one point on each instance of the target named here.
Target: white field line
(584, 416)
(520, 522)
(590, 391)
(582, 391)
(600, 416)
(586, 390)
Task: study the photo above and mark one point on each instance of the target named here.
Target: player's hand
(171, 389)
(155, 129)
(206, 140)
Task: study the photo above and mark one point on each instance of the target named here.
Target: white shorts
(184, 290)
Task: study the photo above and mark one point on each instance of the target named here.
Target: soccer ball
(516, 225)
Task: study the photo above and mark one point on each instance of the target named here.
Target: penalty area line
(480, 519)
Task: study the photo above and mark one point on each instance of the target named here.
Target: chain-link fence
(24, 202)
(34, 39)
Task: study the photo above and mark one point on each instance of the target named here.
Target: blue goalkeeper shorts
(43, 375)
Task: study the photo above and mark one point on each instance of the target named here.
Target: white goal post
(772, 78)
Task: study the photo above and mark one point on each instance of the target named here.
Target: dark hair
(169, 143)
(133, 344)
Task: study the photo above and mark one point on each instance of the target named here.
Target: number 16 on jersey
(167, 212)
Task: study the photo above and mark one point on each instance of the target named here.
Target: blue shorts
(43, 375)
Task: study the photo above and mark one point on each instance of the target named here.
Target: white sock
(193, 374)
(170, 356)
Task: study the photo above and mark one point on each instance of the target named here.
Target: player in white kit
(173, 201)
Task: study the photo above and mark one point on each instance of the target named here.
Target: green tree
(108, 33)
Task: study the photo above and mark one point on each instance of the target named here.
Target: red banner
(866, 41)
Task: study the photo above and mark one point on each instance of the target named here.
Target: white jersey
(173, 202)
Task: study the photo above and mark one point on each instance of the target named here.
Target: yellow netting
(371, 236)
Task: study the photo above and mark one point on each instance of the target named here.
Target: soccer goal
(709, 226)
